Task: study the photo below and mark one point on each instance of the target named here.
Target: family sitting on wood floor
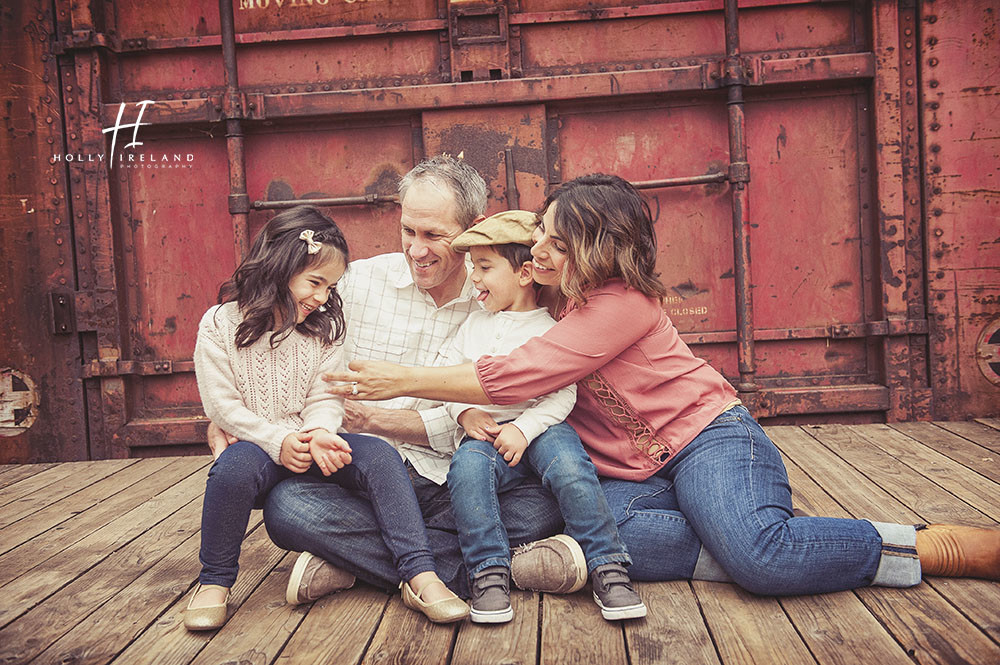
(502, 401)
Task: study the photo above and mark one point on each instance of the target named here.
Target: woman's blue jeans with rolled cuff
(244, 474)
(310, 514)
(479, 473)
(721, 509)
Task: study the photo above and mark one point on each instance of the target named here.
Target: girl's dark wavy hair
(260, 285)
(608, 230)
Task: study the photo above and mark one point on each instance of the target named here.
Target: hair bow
(313, 245)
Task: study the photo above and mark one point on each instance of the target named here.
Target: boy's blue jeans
(478, 473)
(721, 509)
(244, 474)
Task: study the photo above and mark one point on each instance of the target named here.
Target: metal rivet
(675, 63)
(803, 54)
(935, 126)
(936, 191)
(933, 62)
(932, 19)
(936, 169)
(908, 44)
(908, 32)
(933, 84)
(938, 212)
(913, 202)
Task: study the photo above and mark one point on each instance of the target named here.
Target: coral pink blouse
(641, 394)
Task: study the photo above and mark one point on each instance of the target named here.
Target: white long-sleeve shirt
(389, 318)
(260, 394)
(497, 334)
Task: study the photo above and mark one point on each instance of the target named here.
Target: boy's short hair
(515, 253)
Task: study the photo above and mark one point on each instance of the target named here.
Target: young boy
(531, 438)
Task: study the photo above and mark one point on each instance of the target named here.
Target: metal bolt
(656, 65)
(803, 54)
(932, 19)
(935, 126)
(935, 147)
(908, 44)
(933, 62)
(784, 56)
(932, 41)
(309, 88)
(909, 81)
(675, 63)
(933, 84)
(908, 32)
(937, 212)
(938, 233)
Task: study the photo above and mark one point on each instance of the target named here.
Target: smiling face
(313, 286)
(428, 225)
(501, 286)
(549, 250)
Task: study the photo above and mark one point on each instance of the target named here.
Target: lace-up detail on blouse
(640, 433)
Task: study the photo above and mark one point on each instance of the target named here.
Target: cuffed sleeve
(441, 429)
(548, 410)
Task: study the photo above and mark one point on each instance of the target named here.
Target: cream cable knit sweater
(260, 394)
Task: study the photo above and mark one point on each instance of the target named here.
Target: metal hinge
(105, 368)
(77, 311)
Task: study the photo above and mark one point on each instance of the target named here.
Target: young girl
(701, 491)
(258, 361)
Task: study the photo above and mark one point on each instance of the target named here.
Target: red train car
(824, 176)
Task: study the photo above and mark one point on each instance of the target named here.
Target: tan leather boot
(959, 551)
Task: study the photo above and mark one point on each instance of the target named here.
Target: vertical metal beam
(239, 202)
(739, 180)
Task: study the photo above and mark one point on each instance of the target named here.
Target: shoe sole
(579, 561)
(619, 613)
(295, 579)
(492, 616)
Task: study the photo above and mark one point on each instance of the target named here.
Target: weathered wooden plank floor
(97, 560)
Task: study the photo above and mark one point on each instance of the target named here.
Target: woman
(701, 491)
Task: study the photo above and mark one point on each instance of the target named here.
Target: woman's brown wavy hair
(608, 231)
(260, 285)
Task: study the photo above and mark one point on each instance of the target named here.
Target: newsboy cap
(510, 226)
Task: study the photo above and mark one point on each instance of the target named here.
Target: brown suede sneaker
(553, 565)
(312, 578)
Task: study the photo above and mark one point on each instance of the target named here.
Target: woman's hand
(479, 425)
(330, 452)
(368, 379)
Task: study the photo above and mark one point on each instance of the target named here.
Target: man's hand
(511, 443)
(330, 452)
(368, 379)
(294, 454)
(356, 417)
(479, 425)
(219, 440)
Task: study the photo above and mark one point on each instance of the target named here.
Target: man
(406, 308)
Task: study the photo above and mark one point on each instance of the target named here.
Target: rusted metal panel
(41, 396)
(809, 294)
(961, 139)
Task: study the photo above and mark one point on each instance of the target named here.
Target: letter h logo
(135, 127)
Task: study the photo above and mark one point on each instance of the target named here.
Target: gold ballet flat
(446, 610)
(205, 618)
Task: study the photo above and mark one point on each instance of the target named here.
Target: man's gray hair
(464, 182)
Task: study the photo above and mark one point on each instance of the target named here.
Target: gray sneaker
(491, 596)
(312, 578)
(614, 594)
(554, 565)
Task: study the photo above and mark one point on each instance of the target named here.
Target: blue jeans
(309, 514)
(721, 509)
(479, 472)
(244, 475)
